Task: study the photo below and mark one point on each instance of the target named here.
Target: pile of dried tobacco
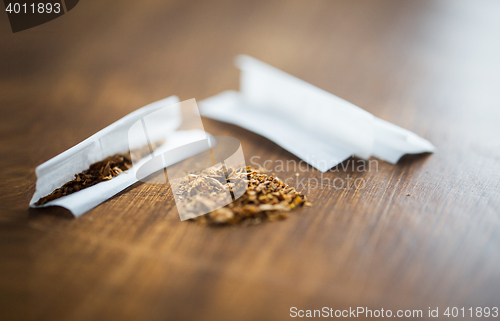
(266, 197)
(97, 172)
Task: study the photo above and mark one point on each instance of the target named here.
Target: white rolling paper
(316, 126)
(116, 138)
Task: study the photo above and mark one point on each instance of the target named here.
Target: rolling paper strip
(316, 126)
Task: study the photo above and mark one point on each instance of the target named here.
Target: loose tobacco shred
(101, 171)
(266, 199)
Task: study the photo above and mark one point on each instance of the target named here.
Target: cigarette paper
(163, 119)
(316, 126)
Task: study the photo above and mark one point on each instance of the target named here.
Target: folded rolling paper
(316, 126)
(158, 124)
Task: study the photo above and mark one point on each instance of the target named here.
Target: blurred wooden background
(432, 67)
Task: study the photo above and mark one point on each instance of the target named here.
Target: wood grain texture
(432, 67)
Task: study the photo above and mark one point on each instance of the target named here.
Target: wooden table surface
(432, 67)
